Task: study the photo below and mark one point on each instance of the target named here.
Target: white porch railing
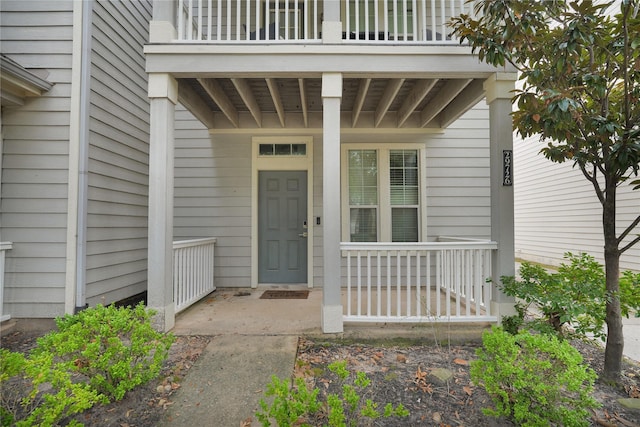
(193, 271)
(4, 246)
(418, 282)
(289, 21)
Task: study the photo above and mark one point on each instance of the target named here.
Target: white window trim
(384, 188)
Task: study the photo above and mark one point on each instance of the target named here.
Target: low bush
(575, 295)
(296, 406)
(116, 349)
(534, 379)
(95, 356)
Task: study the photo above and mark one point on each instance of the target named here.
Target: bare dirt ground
(399, 374)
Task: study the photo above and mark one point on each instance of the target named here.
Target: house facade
(353, 146)
(75, 144)
(350, 146)
(557, 211)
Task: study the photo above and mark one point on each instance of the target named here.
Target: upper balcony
(395, 22)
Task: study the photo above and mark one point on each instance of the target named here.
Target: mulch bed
(399, 374)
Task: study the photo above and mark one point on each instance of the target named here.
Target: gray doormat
(271, 294)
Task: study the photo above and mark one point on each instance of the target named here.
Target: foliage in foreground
(296, 405)
(575, 295)
(95, 356)
(534, 380)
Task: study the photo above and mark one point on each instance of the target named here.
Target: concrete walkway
(224, 386)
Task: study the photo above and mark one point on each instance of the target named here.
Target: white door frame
(281, 163)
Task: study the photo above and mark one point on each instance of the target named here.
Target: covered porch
(337, 96)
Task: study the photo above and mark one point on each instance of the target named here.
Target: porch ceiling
(399, 103)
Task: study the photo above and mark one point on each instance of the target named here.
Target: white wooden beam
(303, 102)
(213, 88)
(272, 84)
(359, 102)
(193, 102)
(388, 96)
(420, 90)
(243, 88)
(470, 96)
(448, 92)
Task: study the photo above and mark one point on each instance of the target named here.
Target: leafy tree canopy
(580, 68)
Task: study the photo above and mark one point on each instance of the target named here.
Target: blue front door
(282, 227)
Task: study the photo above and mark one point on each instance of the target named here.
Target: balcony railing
(300, 21)
(193, 271)
(418, 282)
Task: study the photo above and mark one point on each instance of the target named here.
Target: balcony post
(331, 296)
(331, 25)
(163, 94)
(498, 90)
(162, 28)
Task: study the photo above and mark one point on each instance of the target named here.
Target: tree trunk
(615, 339)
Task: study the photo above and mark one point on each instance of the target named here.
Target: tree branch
(631, 226)
(594, 181)
(633, 242)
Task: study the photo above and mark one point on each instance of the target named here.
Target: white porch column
(331, 298)
(163, 94)
(498, 92)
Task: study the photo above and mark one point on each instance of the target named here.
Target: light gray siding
(118, 152)
(557, 211)
(213, 189)
(213, 196)
(37, 35)
(458, 186)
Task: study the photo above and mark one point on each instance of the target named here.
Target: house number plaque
(507, 167)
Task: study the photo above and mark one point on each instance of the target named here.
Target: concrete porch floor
(240, 311)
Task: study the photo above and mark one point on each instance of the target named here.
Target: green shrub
(535, 380)
(116, 349)
(295, 406)
(576, 295)
(94, 357)
(42, 392)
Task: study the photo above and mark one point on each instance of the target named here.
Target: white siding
(213, 189)
(118, 152)
(37, 35)
(557, 211)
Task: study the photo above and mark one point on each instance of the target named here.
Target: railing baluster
(398, 284)
(378, 284)
(349, 283)
(388, 283)
(418, 283)
(368, 283)
(408, 284)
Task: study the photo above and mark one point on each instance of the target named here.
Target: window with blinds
(384, 204)
(363, 195)
(403, 184)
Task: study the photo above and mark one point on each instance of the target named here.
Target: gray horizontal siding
(37, 35)
(458, 185)
(557, 211)
(213, 196)
(118, 153)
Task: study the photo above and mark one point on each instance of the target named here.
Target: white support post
(163, 94)
(498, 90)
(331, 298)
